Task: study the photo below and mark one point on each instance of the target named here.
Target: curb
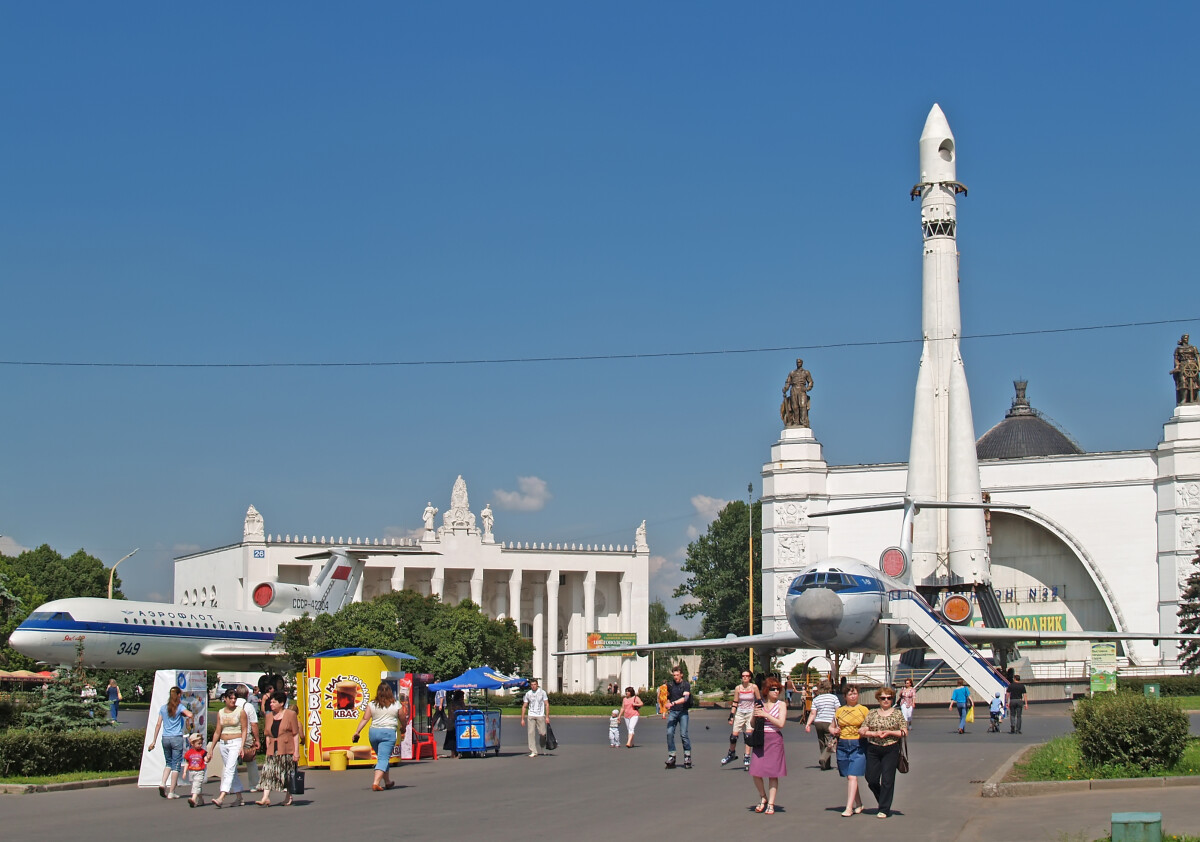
(995, 787)
(25, 789)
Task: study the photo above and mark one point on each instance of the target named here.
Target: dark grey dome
(1023, 433)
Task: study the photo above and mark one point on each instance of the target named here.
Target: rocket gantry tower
(949, 546)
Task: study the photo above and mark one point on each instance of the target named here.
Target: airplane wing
(234, 654)
(779, 640)
(977, 634)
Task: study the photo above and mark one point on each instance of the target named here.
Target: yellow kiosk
(335, 688)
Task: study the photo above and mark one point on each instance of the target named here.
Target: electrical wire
(596, 357)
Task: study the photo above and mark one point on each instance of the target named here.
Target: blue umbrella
(480, 678)
(358, 650)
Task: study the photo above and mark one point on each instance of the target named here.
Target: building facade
(557, 594)
(1106, 544)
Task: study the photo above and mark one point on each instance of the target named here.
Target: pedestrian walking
(197, 768)
(537, 704)
(1018, 700)
(114, 699)
(171, 719)
(439, 711)
(851, 760)
(961, 699)
(883, 730)
(230, 735)
(386, 715)
(281, 730)
(631, 709)
(614, 729)
(824, 708)
(253, 736)
(908, 701)
(768, 762)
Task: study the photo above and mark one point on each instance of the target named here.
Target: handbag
(902, 763)
(757, 736)
(295, 782)
(551, 740)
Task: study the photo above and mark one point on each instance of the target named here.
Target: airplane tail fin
(334, 588)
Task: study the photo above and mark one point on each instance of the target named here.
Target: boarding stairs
(909, 608)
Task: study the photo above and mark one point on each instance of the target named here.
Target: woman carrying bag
(281, 728)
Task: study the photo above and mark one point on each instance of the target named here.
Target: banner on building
(1039, 623)
(597, 642)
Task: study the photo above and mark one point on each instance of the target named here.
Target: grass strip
(68, 777)
(1060, 760)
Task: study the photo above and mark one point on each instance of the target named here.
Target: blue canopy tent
(478, 731)
(358, 650)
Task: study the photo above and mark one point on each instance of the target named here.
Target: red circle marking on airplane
(956, 608)
(263, 594)
(893, 563)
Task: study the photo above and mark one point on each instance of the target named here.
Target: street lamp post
(750, 498)
(112, 570)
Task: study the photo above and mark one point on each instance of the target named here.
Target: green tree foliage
(1189, 619)
(661, 631)
(1126, 730)
(446, 639)
(64, 708)
(42, 575)
(718, 568)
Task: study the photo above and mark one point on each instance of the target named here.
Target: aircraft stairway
(910, 609)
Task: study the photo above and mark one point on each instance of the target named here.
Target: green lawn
(582, 710)
(69, 776)
(1059, 760)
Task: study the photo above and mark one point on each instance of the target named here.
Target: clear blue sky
(294, 183)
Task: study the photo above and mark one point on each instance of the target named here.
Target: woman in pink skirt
(767, 761)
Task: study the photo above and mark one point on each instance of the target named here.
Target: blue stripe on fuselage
(83, 627)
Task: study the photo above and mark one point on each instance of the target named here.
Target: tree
(446, 639)
(18, 597)
(718, 568)
(56, 577)
(1189, 618)
(64, 707)
(661, 631)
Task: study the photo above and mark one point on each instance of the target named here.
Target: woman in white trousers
(230, 735)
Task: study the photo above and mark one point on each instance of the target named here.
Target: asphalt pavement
(587, 790)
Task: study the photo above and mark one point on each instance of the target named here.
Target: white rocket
(949, 546)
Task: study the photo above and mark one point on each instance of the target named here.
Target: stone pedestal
(1178, 486)
(794, 483)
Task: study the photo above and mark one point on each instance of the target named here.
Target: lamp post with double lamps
(112, 570)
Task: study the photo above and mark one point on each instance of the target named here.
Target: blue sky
(292, 183)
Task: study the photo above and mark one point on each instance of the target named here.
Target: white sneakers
(533, 754)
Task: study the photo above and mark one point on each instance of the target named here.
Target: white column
(551, 672)
(437, 583)
(539, 639)
(397, 578)
(514, 597)
(589, 626)
(627, 626)
(477, 587)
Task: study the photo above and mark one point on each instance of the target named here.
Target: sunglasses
(887, 698)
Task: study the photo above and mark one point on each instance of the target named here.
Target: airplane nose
(819, 612)
(21, 638)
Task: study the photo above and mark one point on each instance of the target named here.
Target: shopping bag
(295, 782)
(971, 713)
(551, 740)
(902, 762)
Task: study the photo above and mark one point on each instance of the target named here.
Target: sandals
(389, 785)
(218, 803)
(376, 788)
(858, 809)
(770, 811)
(263, 803)
(847, 814)
(761, 806)
(287, 803)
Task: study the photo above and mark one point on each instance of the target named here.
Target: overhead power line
(591, 357)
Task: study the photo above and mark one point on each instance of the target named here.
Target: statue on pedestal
(252, 530)
(488, 520)
(794, 409)
(1186, 372)
(428, 516)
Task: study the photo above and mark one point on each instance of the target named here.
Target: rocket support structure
(949, 546)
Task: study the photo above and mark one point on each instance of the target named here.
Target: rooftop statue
(794, 409)
(1186, 372)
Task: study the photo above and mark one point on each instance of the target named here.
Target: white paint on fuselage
(119, 634)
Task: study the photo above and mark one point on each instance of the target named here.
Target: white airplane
(120, 634)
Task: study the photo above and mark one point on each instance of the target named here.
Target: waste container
(338, 761)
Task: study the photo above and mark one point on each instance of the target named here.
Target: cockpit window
(833, 580)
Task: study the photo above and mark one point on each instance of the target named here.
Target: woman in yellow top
(230, 736)
(851, 760)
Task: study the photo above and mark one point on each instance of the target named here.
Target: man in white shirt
(252, 720)
(538, 707)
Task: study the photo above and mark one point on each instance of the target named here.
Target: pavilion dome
(1024, 432)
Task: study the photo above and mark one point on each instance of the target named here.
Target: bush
(1129, 730)
(1168, 685)
(569, 700)
(25, 752)
(13, 705)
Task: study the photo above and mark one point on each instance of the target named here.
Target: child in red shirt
(196, 759)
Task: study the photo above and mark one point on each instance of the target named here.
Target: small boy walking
(195, 758)
(614, 729)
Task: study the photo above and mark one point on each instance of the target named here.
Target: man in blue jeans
(679, 700)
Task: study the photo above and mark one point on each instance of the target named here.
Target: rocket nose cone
(937, 148)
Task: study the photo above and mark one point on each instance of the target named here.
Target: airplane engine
(276, 597)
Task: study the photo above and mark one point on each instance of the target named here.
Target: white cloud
(708, 507)
(531, 497)
(693, 532)
(9, 547)
(401, 532)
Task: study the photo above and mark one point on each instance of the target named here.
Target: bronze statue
(1186, 372)
(794, 409)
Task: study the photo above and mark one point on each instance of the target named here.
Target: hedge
(1168, 685)
(1130, 731)
(567, 700)
(25, 752)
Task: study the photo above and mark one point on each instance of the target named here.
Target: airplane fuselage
(119, 634)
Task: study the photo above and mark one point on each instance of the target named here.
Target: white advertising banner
(193, 688)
